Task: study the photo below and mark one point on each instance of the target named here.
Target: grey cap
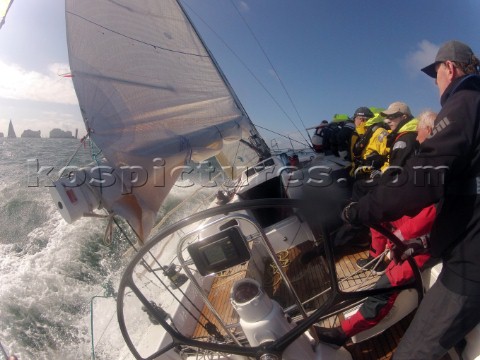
(453, 51)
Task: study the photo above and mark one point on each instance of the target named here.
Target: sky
(291, 63)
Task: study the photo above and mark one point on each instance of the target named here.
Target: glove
(361, 171)
(349, 214)
(376, 161)
(414, 247)
(359, 162)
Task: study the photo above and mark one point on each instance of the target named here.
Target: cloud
(243, 6)
(424, 55)
(21, 84)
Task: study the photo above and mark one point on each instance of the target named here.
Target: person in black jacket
(445, 170)
(401, 142)
(344, 138)
(402, 139)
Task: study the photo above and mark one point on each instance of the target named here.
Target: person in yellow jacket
(369, 149)
(360, 117)
(377, 149)
(402, 142)
(368, 153)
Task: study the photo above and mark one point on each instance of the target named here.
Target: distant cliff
(31, 134)
(57, 133)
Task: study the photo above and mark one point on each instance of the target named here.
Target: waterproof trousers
(375, 308)
(442, 321)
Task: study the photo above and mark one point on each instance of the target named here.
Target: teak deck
(307, 280)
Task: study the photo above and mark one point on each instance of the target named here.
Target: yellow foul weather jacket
(370, 150)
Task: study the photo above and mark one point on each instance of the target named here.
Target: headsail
(151, 97)
(4, 7)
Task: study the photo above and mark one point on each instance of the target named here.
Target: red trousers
(375, 308)
(409, 227)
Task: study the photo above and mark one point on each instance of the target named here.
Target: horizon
(43, 137)
(323, 58)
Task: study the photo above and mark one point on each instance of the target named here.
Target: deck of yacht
(307, 280)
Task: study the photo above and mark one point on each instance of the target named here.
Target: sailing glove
(414, 247)
(349, 214)
(376, 161)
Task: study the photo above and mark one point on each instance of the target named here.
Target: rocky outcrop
(31, 134)
(60, 134)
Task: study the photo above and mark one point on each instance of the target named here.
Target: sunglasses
(394, 116)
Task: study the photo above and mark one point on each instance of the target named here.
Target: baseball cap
(397, 107)
(363, 111)
(452, 50)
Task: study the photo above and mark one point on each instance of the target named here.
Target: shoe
(370, 263)
(331, 336)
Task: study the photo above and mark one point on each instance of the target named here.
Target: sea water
(57, 279)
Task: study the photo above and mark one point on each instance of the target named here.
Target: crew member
(445, 170)
(398, 272)
(401, 142)
(369, 151)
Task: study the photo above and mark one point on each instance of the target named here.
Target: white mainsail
(4, 7)
(151, 97)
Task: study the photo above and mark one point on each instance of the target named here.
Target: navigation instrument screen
(219, 251)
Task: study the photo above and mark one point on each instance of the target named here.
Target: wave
(55, 275)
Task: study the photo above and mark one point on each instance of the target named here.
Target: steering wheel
(271, 350)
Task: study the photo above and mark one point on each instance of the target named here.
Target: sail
(152, 97)
(11, 131)
(4, 7)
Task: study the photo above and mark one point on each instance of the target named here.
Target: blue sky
(330, 56)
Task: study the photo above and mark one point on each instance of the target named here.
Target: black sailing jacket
(445, 171)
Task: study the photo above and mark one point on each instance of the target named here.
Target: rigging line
(245, 66)
(236, 157)
(103, 333)
(134, 39)
(197, 318)
(71, 158)
(285, 136)
(273, 68)
(149, 268)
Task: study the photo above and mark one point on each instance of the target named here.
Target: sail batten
(148, 88)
